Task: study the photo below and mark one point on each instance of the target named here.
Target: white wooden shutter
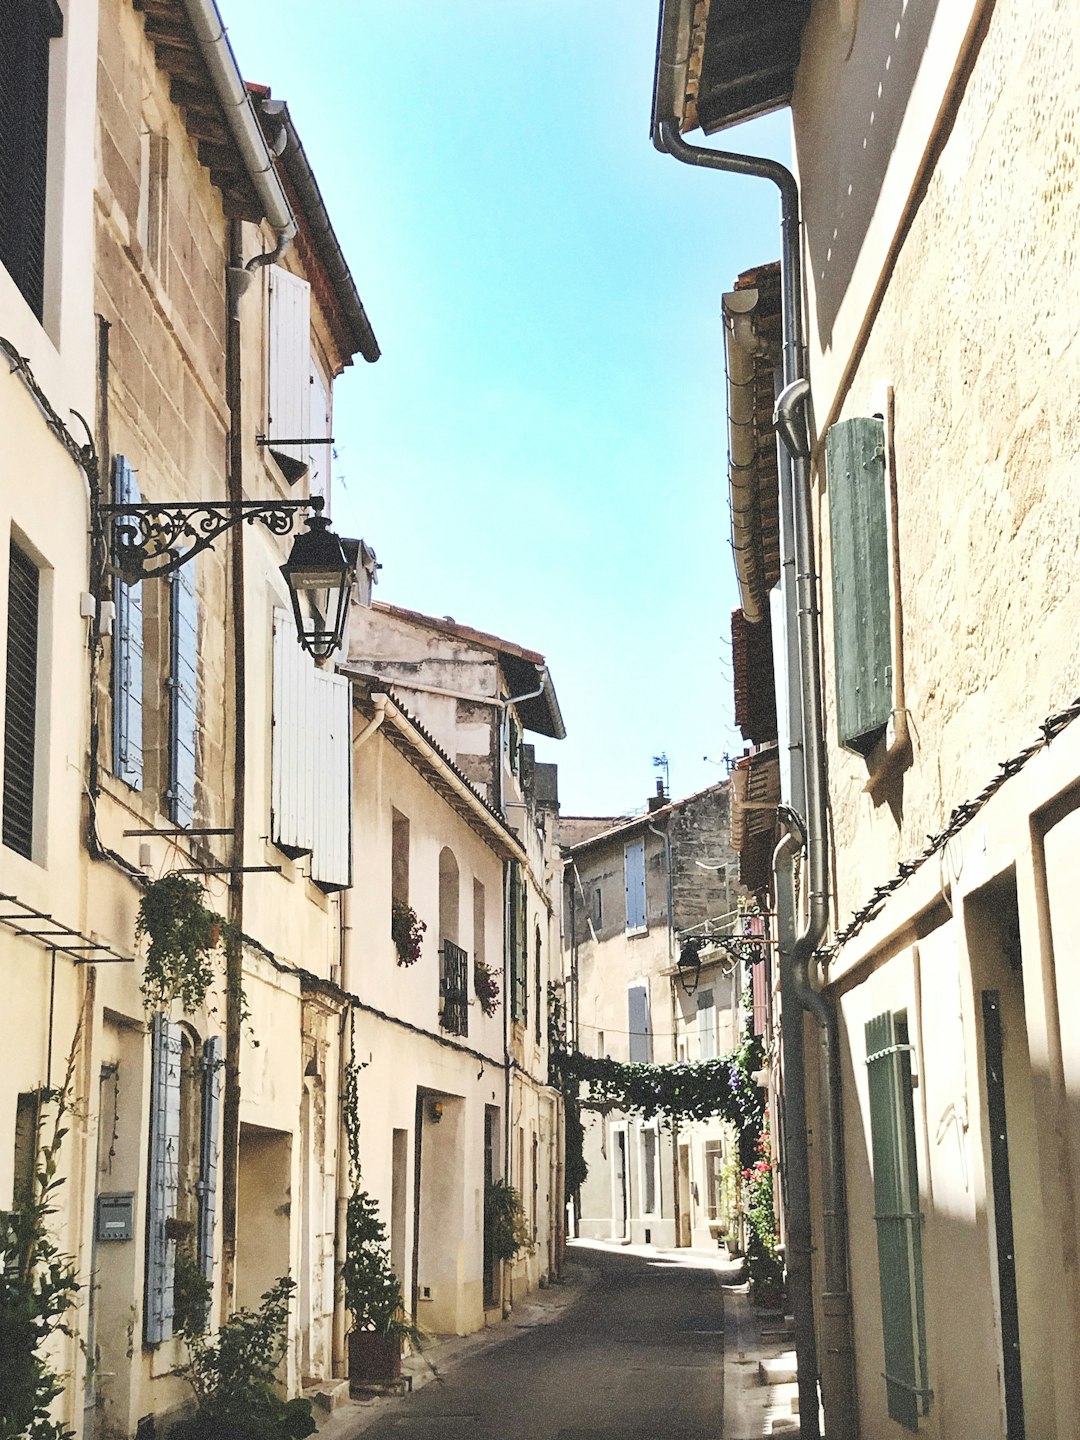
(127, 653)
(311, 760)
(162, 1178)
(706, 1019)
(634, 862)
(331, 858)
(182, 685)
(640, 1025)
(290, 366)
(319, 456)
(206, 1186)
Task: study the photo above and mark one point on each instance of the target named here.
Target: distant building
(633, 889)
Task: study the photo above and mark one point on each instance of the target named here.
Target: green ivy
(38, 1283)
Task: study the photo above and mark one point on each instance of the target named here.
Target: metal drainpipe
(797, 944)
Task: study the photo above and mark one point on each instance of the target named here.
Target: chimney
(659, 799)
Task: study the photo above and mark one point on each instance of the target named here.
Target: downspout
(514, 700)
(798, 943)
(339, 1360)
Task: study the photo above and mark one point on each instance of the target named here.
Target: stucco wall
(978, 333)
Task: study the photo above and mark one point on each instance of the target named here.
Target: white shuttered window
(290, 369)
(634, 865)
(311, 781)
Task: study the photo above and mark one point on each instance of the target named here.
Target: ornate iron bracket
(148, 540)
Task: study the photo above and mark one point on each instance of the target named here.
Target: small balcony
(453, 989)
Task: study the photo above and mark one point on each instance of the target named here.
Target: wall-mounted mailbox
(115, 1217)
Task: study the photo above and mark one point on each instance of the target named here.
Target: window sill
(637, 932)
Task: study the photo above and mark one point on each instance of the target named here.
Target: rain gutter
(799, 933)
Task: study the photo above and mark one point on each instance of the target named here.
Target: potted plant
(486, 987)
(407, 932)
(372, 1294)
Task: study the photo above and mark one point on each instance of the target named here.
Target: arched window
(449, 887)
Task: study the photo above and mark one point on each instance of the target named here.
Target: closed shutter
(897, 1217)
(517, 941)
(706, 1020)
(640, 1025)
(127, 653)
(634, 864)
(183, 679)
(20, 702)
(206, 1186)
(862, 635)
(331, 856)
(311, 760)
(290, 369)
(163, 1178)
(319, 456)
(26, 28)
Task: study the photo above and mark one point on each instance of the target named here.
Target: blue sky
(540, 451)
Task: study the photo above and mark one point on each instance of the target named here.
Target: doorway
(620, 1184)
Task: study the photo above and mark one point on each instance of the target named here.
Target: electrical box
(115, 1217)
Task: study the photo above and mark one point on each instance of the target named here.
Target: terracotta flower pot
(374, 1359)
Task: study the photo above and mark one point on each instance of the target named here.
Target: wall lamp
(689, 963)
(149, 540)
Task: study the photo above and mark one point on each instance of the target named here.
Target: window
(513, 744)
(26, 29)
(640, 1025)
(154, 202)
(597, 906)
(479, 924)
(519, 945)
(706, 1024)
(21, 702)
(600, 1051)
(897, 1215)
(185, 1100)
(127, 653)
(453, 961)
(27, 1121)
(714, 1177)
(399, 858)
(289, 371)
(634, 869)
(538, 995)
(181, 685)
(650, 1156)
(862, 626)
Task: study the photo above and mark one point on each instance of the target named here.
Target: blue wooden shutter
(634, 858)
(206, 1186)
(897, 1217)
(163, 1178)
(183, 674)
(862, 630)
(127, 653)
(640, 1026)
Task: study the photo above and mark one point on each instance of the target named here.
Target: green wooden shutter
(862, 632)
(897, 1216)
(517, 941)
(21, 702)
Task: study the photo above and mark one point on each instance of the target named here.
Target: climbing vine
(38, 1283)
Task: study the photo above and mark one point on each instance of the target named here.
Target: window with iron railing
(453, 989)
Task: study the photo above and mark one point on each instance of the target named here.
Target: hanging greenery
(183, 933)
(407, 932)
(486, 987)
(38, 1284)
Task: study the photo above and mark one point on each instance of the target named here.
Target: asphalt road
(639, 1356)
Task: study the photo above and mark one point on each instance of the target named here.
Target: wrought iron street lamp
(689, 963)
(149, 539)
(319, 573)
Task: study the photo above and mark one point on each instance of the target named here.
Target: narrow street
(638, 1355)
